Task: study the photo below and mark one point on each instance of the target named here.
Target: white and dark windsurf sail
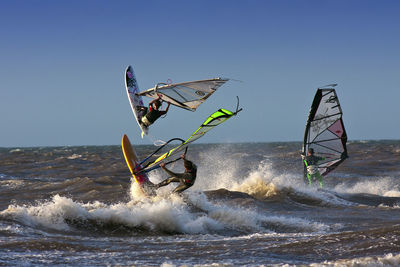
(187, 95)
(325, 132)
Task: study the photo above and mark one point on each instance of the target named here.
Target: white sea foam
(217, 170)
(12, 184)
(74, 156)
(166, 214)
(49, 214)
(14, 229)
(16, 150)
(388, 260)
(194, 214)
(383, 186)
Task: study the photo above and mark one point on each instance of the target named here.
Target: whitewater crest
(190, 213)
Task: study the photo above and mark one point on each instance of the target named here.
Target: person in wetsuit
(153, 112)
(311, 162)
(185, 179)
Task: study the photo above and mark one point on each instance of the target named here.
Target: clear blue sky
(62, 64)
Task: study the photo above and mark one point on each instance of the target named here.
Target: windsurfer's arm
(305, 161)
(166, 109)
(163, 112)
(153, 101)
(183, 156)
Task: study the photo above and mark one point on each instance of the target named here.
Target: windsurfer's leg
(321, 182)
(141, 109)
(168, 181)
(182, 187)
(141, 112)
(145, 121)
(309, 177)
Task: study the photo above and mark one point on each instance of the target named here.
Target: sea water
(248, 207)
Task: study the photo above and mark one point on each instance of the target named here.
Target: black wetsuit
(151, 116)
(312, 160)
(154, 114)
(185, 179)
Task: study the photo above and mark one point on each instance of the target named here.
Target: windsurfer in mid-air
(150, 115)
(185, 179)
(311, 160)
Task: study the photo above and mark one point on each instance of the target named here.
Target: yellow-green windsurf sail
(172, 155)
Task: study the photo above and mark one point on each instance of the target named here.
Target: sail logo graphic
(200, 93)
(131, 82)
(332, 99)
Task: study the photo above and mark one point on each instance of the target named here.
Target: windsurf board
(132, 162)
(136, 101)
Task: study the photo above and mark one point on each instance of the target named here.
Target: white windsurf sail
(187, 95)
(325, 132)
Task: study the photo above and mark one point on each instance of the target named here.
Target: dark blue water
(249, 206)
